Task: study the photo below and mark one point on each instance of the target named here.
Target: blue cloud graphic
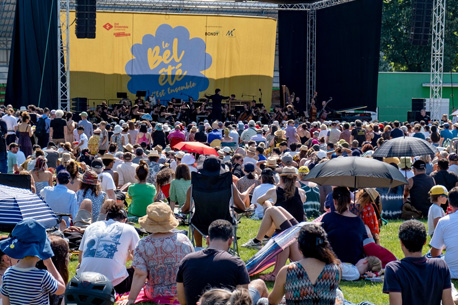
(169, 64)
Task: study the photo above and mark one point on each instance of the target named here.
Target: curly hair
(412, 234)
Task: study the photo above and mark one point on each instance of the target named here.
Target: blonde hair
(374, 264)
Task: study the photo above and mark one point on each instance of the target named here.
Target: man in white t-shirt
(105, 178)
(108, 245)
(11, 125)
(446, 235)
(83, 138)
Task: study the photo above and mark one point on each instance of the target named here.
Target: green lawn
(355, 292)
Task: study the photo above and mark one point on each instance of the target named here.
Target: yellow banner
(174, 56)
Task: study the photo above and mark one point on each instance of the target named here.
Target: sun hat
(117, 129)
(158, 127)
(321, 154)
(127, 156)
(108, 157)
(288, 170)
(22, 108)
(84, 113)
(405, 162)
(280, 133)
(304, 170)
(159, 218)
(248, 167)
(372, 192)
(128, 147)
(226, 149)
(265, 127)
(153, 153)
(97, 131)
(125, 125)
(180, 155)
(303, 147)
(66, 157)
(212, 167)
(438, 190)
(91, 178)
(271, 162)
(27, 239)
(188, 159)
(390, 160)
(251, 150)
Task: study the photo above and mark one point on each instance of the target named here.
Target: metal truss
(437, 57)
(63, 51)
(310, 86)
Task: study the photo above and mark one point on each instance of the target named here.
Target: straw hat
(271, 162)
(66, 157)
(153, 153)
(394, 160)
(303, 147)
(180, 155)
(280, 133)
(288, 170)
(251, 150)
(159, 218)
(372, 193)
(108, 157)
(129, 147)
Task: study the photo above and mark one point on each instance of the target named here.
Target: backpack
(41, 127)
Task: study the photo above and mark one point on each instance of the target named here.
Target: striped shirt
(30, 286)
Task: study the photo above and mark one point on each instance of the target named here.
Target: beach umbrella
(356, 172)
(17, 204)
(147, 117)
(405, 147)
(265, 257)
(196, 147)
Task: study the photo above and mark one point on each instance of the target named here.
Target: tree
(397, 51)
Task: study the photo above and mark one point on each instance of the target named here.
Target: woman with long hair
(142, 193)
(365, 209)
(143, 136)
(346, 231)
(41, 175)
(60, 259)
(90, 189)
(75, 176)
(286, 194)
(179, 186)
(132, 132)
(317, 268)
(70, 127)
(163, 180)
(25, 133)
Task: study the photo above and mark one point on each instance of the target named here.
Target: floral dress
(160, 257)
(97, 202)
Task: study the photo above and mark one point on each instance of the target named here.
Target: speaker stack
(417, 105)
(86, 11)
(420, 29)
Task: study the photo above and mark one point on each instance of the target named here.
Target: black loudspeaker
(79, 104)
(420, 28)
(418, 104)
(86, 11)
(121, 94)
(141, 93)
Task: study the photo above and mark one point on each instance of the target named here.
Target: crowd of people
(105, 170)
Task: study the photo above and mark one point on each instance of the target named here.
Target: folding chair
(211, 199)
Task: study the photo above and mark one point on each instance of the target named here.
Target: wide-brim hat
(288, 170)
(271, 162)
(117, 129)
(280, 133)
(66, 157)
(159, 218)
(304, 147)
(154, 153)
(251, 150)
(108, 157)
(129, 147)
(180, 155)
(27, 239)
(91, 178)
(373, 193)
(158, 127)
(188, 159)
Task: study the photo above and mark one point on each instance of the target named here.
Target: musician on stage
(216, 99)
(278, 114)
(313, 109)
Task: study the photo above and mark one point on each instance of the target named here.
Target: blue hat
(249, 167)
(158, 127)
(27, 239)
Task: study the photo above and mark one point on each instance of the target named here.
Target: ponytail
(342, 196)
(142, 170)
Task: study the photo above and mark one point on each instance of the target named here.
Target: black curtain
(347, 53)
(33, 55)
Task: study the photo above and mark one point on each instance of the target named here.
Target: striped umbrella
(265, 257)
(405, 147)
(17, 204)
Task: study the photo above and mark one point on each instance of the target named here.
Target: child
(364, 267)
(24, 283)
(438, 196)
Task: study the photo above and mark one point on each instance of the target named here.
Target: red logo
(107, 26)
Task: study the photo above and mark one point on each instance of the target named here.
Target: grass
(355, 292)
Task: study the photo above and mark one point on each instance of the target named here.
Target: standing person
(25, 133)
(416, 279)
(42, 128)
(212, 267)
(84, 141)
(23, 283)
(11, 124)
(103, 140)
(318, 267)
(291, 133)
(88, 129)
(70, 128)
(107, 245)
(3, 148)
(358, 133)
(152, 256)
(58, 128)
(446, 237)
(216, 104)
(13, 166)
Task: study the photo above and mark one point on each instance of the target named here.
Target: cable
(46, 52)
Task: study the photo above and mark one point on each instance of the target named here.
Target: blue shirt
(446, 134)
(419, 135)
(61, 200)
(87, 127)
(12, 159)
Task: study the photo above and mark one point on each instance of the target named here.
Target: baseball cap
(97, 164)
(438, 190)
(453, 157)
(321, 154)
(419, 164)
(249, 167)
(304, 170)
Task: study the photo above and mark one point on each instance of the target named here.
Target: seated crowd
(107, 177)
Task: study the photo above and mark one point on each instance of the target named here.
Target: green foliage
(397, 53)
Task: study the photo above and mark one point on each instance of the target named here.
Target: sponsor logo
(216, 33)
(107, 26)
